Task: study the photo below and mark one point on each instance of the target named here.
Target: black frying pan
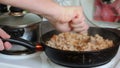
(78, 58)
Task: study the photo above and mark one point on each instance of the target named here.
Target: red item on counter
(116, 5)
(98, 7)
(107, 12)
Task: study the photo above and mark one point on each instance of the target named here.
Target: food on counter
(107, 12)
(79, 42)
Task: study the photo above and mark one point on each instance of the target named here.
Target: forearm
(42, 7)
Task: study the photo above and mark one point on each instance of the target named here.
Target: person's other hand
(4, 45)
(69, 19)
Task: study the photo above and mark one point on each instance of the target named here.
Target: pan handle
(30, 47)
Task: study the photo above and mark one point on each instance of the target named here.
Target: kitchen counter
(40, 60)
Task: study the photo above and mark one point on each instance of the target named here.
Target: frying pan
(76, 58)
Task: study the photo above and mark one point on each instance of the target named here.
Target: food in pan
(79, 42)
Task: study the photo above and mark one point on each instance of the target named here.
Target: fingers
(3, 34)
(78, 25)
(5, 45)
(81, 29)
(84, 29)
(1, 45)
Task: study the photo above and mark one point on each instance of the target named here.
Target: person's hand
(4, 45)
(69, 19)
(78, 23)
